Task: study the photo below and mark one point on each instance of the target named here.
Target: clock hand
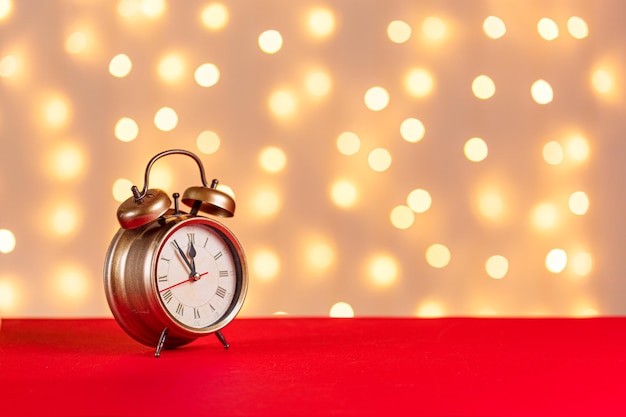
(192, 255)
(182, 254)
(182, 282)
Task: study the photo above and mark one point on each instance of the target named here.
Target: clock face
(196, 274)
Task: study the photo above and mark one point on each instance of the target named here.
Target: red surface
(330, 367)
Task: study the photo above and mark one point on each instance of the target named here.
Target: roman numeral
(180, 309)
(191, 238)
(212, 308)
(196, 313)
(167, 296)
(217, 255)
(163, 278)
(221, 292)
(205, 242)
(223, 274)
(164, 259)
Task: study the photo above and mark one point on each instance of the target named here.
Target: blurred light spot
(266, 202)
(208, 142)
(553, 153)
(64, 219)
(7, 241)
(556, 260)
(376, 98)
(272, 159)
(418, 82)
(226, 189)
(318, 83)
(402, 217)
(152, 8)
(120, 65)
(5, 8)
(129, 8)
(55, 111)
(343, 193)
(161, 176)
(341, 310)
(71, 283)
(494, 27)
(121, 189)
(8, 66)
(491, 205)
(412, 130)
(497, 266)
(382, 270)
(544, 216)
(76, 42)
(379, 159)
(348, 143)
(438, 255)
(577, 27)
(171, 68)
(585, 311)
(279, 313)
(270, 41)
(582, 263)
(165, 119)
(66, 161)
(398, 31)
(319, 255)
(283, 103)
(207, 75)
(483, 87)
(126, 129)
(434, 28)
(214, 16)
(602, 81)
(419, 200)
(578, 203)
(321, 22)
(577, 148)
(475, 149)
(431, 309)
(265, 264)
(9, 295)
(487, 312)
(541, 92)
(547, 29)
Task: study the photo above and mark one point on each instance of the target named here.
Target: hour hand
(182, 255)
(192, 255)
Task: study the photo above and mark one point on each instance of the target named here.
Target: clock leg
(222, 339)
(159, 347)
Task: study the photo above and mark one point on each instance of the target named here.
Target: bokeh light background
(388, 158)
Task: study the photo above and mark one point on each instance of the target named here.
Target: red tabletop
(320, 367)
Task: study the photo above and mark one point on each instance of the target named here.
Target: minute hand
(182, 255)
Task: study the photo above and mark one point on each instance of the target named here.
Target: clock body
(184, 273)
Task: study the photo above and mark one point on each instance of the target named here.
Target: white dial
(196, 275)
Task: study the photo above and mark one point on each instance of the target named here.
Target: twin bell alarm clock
(172, 276)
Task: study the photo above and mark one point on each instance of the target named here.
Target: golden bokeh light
(553, 153)
(71, 283)
(379, 159)
(283, 103)
(376, 98)
(412, 130)
(208, 142)
(438, 255)
(402, 217)
(321, 22)
(55, 111)
(214, 16)
(419, 200)
(547, 29)
(7, 241)
(483, 87)
(272, 159)
(161, 176)
(419, 82)
(577, 27)
(265, 265)
(207, 75)
(226, 189)
(475, 149)
(166, 119)
(151, 9)
(556, 260)
(399, 31)
(494, 27)
(66, 161)
(602, 81)
(491, 204)
(5, 8)
(434, 28)
(497, 266)
(341, 310)
(76, 42)
(171, 68)
(64, 218)
(126, 129)
(266, 202)
(270, 41)
(320, 255)
(318, 83)
(343, 193)
(430, 309)
(8, 66)
(544, 215)
(121, 189)
(578, 203)
(577, 148)
(120, 65)
(348, 143)
(10, 294)
(541, 92)
(582, 263)
(382, 270)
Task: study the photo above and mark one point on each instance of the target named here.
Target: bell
(209, 200)
(136, 212)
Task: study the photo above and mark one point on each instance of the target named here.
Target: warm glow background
(388, 158)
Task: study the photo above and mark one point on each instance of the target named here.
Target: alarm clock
(172, 276)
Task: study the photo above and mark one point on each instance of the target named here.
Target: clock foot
(159, 347)
(222, 339)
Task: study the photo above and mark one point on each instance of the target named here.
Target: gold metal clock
(170, 276)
